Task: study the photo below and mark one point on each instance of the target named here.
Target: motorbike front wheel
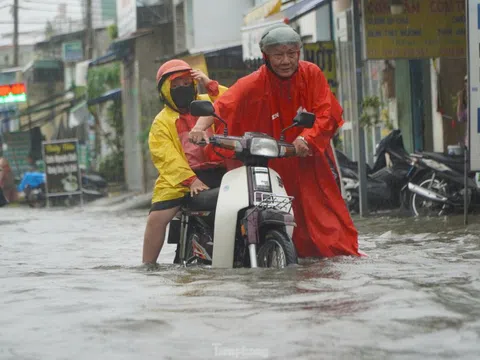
(277, 251)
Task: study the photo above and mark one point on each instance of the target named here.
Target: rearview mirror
(304, 119)
(201, 108)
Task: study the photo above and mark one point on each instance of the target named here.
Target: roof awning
(119, 48)
(252, 32)
(206, 51)
(109, 95)
(212, 50)
(132, 36)
(105, 59)
(196, 58)
(302, 8)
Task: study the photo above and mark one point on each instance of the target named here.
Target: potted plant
(385, 118)
(370, 111)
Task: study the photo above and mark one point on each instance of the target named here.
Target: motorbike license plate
(261, 179)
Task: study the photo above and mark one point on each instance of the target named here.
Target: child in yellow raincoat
(184, 168)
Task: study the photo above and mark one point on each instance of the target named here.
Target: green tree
(112, 31)
(49, 30)
(100, 80)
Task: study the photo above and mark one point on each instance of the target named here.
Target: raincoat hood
(280, 34)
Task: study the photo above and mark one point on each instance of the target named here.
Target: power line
(34, 3)
(45, 10)
(68, 5)
(31, 22)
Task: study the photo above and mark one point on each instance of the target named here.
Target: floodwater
(71, 288)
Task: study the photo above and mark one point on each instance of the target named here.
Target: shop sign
(62, 169)
(322, 53)
(12, 93)
(474, 84)
(425, 29)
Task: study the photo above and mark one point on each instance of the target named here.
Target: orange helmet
(169, 68)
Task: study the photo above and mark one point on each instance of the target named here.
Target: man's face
(284, 59)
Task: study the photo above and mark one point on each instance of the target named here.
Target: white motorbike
(248, 221)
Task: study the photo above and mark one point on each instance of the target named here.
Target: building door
(417, 103)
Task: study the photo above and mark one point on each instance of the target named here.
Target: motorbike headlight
(264, 147)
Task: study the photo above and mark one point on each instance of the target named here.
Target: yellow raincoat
(166, 150)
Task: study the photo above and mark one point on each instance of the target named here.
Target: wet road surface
(71, 288)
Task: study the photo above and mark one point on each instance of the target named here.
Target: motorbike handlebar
(203, 142)
(235, 143)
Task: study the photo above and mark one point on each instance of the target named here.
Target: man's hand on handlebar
(197, 186)
(196, 136)
(301, 147)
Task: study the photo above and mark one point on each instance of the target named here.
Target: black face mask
(182, 96)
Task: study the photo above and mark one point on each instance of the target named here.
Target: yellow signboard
(322, 53)
(197, 62)
(425, 29)
(263, 11)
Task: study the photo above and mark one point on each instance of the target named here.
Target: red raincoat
(265, 103)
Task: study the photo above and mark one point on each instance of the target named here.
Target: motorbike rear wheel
(277, 251)
(421, 206)
(35, 198)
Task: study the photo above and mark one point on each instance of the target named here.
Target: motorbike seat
(455, 162)
(203, 201)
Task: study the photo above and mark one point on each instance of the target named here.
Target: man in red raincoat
(267, 101)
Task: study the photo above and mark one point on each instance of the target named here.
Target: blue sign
(72, 51)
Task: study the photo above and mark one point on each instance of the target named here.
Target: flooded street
(72, 288)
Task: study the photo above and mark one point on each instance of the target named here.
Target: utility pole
(357, 128)
(89, 30)
(15, 33)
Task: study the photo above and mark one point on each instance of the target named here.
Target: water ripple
(72, 288)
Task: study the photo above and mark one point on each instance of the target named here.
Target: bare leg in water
(155, 233)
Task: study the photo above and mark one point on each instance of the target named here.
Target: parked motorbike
(33, 186)
(384, 181)
(248, 221)
(438, 187)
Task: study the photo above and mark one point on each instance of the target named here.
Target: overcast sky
(33, 14)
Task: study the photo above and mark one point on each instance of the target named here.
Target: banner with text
(425, 29)
(322, 53)
(61, 167)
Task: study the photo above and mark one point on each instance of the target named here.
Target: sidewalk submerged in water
(121, 201)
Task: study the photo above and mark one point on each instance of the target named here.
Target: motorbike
(33, 186)
(384, 181)
(248, 221)
(437, 185)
